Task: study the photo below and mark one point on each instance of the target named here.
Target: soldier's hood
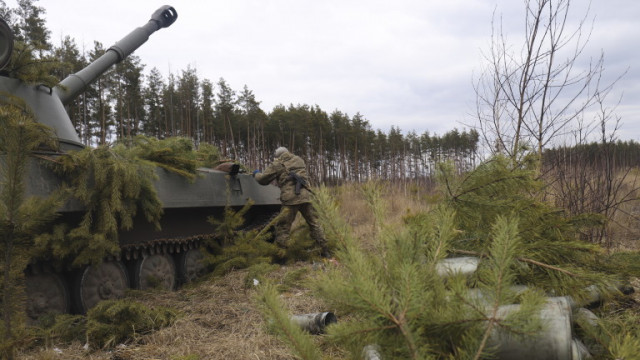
(285, 156)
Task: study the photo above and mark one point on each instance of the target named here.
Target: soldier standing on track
(290, 173)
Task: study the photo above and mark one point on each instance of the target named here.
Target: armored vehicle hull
(149, 257)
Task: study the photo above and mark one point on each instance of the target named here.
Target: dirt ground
(219, 320)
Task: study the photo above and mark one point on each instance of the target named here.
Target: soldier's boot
(325, 253)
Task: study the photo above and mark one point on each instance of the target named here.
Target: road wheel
(104, 281)
(190, 265)
(156, 271)
(46, 293)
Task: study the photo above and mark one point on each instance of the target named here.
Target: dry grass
(219, 320)
(623, 229)
(357, 213)
(219, 317)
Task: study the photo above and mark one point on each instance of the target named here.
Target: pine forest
(130, 100)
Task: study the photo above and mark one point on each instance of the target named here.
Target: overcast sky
(409, 63)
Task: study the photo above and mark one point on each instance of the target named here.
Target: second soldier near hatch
(290, 173)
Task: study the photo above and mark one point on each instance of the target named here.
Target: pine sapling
(278, 321)
(21, 218)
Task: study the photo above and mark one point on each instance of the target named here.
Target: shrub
(115, 321)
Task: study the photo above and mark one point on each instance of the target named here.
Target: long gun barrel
(74, 84)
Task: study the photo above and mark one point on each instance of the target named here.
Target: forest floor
(220, 317)
(219, 320)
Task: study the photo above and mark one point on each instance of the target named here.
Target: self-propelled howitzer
(47, 104)
(148, 257)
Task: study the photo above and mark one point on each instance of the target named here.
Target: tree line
(126, 102)
(618, 154)
(596, 178)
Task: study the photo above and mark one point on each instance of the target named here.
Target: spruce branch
(336, 229)
(22, 217)
(495, 280)
(523, 259)
(487, 333)
(501, 256)
(278, 319)
(114, 186)
(372, 192)
(261, 234)
(551, 267)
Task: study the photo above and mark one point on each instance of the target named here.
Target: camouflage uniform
(292, 203)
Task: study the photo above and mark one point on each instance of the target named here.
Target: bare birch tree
(533, 94)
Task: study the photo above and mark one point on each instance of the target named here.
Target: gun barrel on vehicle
(74, 84)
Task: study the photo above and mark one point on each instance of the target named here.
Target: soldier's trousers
(288, 215)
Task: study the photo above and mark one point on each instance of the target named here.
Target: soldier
(290, 173)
